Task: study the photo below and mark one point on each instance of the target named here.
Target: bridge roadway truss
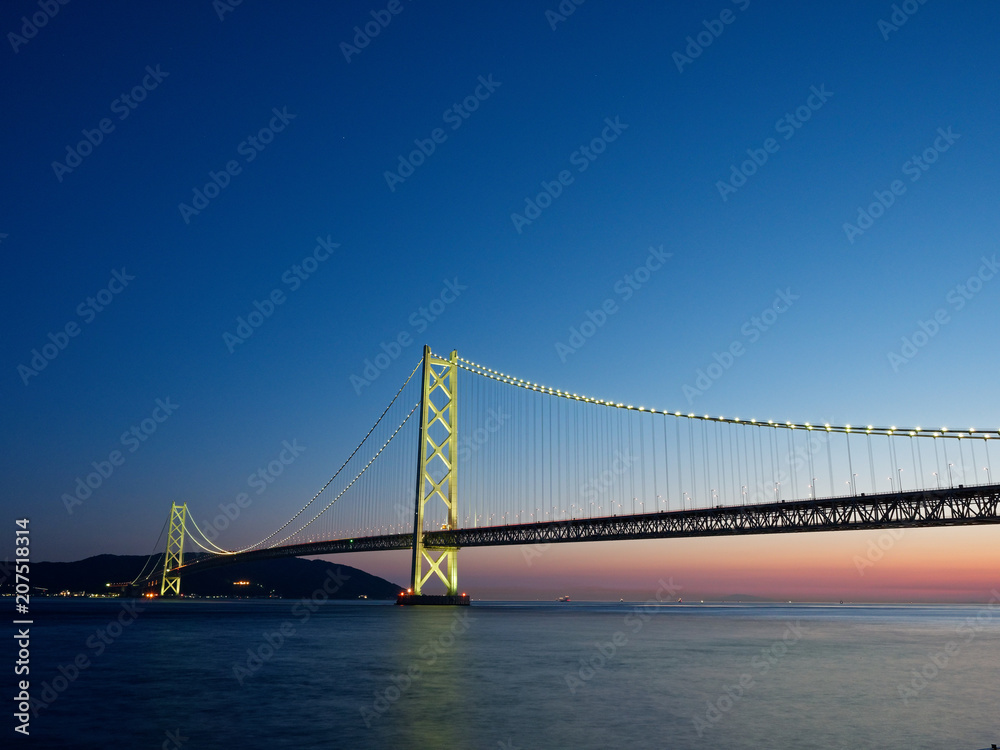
(959, 506)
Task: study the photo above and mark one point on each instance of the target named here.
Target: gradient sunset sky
(145, 212)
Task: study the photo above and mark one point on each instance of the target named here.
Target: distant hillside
(289, 578)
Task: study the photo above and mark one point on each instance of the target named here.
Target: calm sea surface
(214, 674)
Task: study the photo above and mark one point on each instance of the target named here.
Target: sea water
(505, 675)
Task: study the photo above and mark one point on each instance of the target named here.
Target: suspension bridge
(467, 456)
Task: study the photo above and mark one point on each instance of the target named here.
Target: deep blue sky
(825, 359)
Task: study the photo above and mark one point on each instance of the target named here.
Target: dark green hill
(289, 578)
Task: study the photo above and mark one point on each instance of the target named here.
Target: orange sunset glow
(926, 565)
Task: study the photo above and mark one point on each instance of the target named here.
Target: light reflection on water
(520, 675)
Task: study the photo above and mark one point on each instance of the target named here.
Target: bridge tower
(437, 473)
(174, 556)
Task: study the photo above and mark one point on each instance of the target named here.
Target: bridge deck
(945, 507)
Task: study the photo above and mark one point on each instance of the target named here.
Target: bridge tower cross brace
(174, 556)
(437, 469)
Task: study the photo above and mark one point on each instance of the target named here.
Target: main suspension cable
(218, 550)
(944, 432)
(287, 523)
(370, 462)
(154, 553)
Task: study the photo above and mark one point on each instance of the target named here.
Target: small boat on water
(563, 599)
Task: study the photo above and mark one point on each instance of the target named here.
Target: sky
(332, 169)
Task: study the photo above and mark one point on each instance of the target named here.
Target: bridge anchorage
(541, 466)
